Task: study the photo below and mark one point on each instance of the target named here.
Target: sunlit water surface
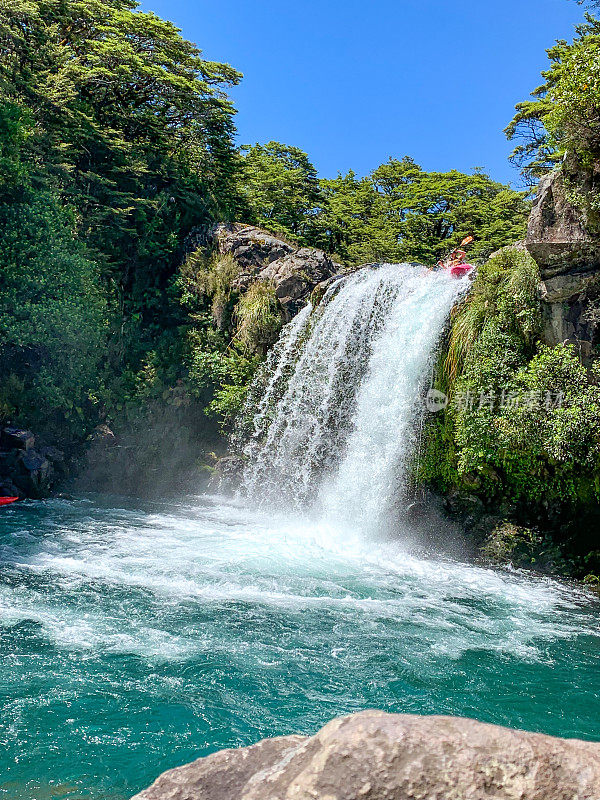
(136, 637)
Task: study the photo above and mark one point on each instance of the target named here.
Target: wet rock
(8, 489)
(559, 236)
(417, 511)
(378, 756)
(513, 544)
(16, 438)
(103, 434)
(8, 462)
(227, 473)
(35, 474)
(53, 454)
(27, 469)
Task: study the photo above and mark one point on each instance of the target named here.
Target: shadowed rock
(28, 469)
(567, 253)
(378, 756)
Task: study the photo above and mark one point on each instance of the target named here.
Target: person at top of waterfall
(457, 257)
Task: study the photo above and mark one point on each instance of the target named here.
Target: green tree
(352, 223)
(281, 189)
(53, 318)
(428, 213)
(564, 114)
(402, 213)
(132, 127)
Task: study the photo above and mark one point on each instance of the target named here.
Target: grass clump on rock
(258, 318)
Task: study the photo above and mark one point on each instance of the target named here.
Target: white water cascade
(332, 414)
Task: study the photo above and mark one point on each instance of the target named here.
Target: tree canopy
(281, 187)
(398, 213)
(564, 114)
(121, 115)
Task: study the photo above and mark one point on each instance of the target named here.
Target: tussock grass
(258, 318)
(210, 277)
(505, 290)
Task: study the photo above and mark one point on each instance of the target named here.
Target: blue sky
(354, 83)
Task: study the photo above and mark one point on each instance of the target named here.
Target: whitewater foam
(113, 583)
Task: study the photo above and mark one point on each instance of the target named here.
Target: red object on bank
(5, 501)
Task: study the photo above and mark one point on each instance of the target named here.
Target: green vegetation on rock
(522, 427)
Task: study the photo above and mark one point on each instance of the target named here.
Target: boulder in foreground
(378, 756)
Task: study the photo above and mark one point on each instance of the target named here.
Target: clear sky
(354, 83)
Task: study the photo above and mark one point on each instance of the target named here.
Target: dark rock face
(568, 255)
(27, 470)
(294, 272)
(17, 439)
(378, 756)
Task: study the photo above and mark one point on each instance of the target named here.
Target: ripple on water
(136, 638)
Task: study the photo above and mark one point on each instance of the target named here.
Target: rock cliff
(567, 251)
(28, 468)
(293, 271)
(378, 756)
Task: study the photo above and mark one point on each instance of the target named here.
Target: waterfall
(329, 423)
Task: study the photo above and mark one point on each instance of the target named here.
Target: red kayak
(5, 501)
(460, 270)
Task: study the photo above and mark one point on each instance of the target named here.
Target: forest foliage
(397, 213)
(117, 147)
(117, 144)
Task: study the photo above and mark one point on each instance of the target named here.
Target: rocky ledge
(567, 251)
(28, 468)
(378, 756)
(293, 271)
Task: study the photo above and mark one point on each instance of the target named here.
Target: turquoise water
(136, 637)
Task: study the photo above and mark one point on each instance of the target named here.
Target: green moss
(510, 543)
(526, 547)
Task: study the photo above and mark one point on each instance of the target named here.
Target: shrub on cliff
(523, 422)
